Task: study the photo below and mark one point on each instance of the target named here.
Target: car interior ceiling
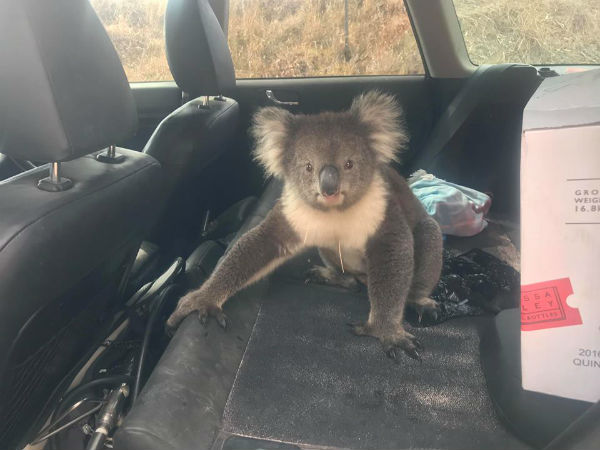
(286, 373)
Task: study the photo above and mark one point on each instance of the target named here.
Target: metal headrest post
(54, 182)
(111, 156)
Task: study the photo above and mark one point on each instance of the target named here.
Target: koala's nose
(329, 180)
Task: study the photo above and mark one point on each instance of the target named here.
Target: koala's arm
(257, 253)
(390, 265)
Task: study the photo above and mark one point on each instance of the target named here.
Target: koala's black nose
(329, 180)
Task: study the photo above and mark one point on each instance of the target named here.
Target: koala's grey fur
(374, 226)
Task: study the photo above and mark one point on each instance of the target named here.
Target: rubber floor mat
(306, 379)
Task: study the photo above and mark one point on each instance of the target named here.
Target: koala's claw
(213, 311)
(413, 353)
(426, 307)
(222, 320)
(391, 353)
(411, 346)
(418, 344)
(192, 302)
(203, 316)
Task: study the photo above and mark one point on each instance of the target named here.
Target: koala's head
(329, 159)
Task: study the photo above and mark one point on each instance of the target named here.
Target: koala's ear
(270, 128)
(384, 119)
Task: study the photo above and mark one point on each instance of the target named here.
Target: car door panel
(314, 95)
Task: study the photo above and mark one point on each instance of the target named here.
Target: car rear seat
(183, 401)
(182, 404)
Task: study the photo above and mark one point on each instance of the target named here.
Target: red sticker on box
(544, 305)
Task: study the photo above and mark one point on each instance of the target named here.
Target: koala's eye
(349, 165)
(309, 167)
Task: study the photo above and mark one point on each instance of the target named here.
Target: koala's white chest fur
(347, 230)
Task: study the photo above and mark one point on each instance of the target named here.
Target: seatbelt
(458, 111)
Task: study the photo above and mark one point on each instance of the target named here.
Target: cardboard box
(560, 238)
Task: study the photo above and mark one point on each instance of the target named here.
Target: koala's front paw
(393, 341)
(195, 301)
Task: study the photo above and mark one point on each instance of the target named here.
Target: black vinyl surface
(306, 379)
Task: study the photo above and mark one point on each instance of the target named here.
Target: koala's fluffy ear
(385, 121)
(270, 127)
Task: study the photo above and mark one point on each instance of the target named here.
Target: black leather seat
(66, 241)
(188, 140)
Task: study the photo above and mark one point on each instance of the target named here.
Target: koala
(341, 195)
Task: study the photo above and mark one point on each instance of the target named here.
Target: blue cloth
(459, 210)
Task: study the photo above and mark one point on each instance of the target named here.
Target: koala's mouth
(331, 200)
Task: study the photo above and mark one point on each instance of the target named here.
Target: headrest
(63, 91)
(197, 49)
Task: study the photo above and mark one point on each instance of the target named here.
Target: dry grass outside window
(303, 38)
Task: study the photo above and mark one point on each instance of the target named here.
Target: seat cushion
(534, 417)
(293, 372)
(181, 404)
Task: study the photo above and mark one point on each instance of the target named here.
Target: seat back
(192, 137)
(197, 49)
(69, 229)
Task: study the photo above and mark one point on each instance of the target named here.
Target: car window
(308, 38)
(136, 28)
(540, 32)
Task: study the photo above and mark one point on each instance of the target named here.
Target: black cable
(83, 388)
(77, 392)
(66, 426)
(147, 333)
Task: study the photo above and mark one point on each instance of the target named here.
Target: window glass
(535, 32)
(136, 28)
(306, 38)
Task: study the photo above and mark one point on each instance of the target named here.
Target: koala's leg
(389, 277)
(428, 267)
(331, 274)
(257, 253)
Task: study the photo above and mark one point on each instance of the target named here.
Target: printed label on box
(544, 305)
(582, 201)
